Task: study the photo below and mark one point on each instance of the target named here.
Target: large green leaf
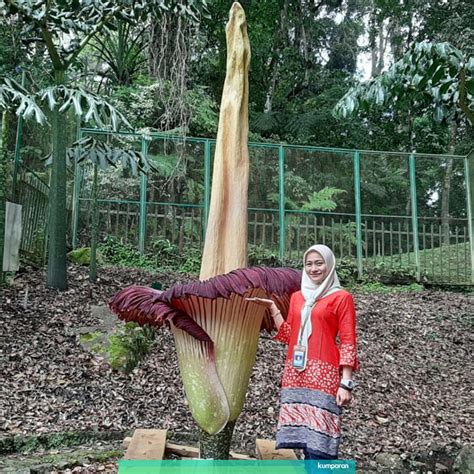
(432, 71)
(91, 107)
(15, 97)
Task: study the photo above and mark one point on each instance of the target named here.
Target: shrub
(129, 345)
(116, 252)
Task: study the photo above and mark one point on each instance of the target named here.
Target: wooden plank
(234, 455)
(147, 445)
(183, 451)
(186, 451)
(266, 450)
(11, 249)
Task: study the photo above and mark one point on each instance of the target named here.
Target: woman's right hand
(269, 304)
(264, 302)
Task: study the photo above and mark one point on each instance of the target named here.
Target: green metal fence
(32, 193)
(173, 204)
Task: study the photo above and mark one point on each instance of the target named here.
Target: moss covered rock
(82, 256)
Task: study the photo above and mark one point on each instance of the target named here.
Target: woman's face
(315, 267)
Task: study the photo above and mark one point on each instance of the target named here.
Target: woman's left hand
(343, 397)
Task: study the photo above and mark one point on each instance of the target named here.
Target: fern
(302, 125)
(268, 123)
(322, 200)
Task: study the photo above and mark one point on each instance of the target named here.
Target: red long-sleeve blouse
(332, 316)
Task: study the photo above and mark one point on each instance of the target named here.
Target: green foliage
(164, 165)
(122, 51)
(347, 271)
(115, 252)
(129, 345)
(261, 256)
(14, 96)
(203, 111)
(81, 256)
(168, 257)
(69, 26)
(297, 190)
(437, 74)
(145, 106)
(88, 105)
(384, 272)
(322, 200)
(380, 288)
(162, 256)
(89, 150)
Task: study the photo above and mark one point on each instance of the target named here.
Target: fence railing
(387, 241)
(32, 193)
(436, 250)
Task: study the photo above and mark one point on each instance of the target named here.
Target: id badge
(299, 353)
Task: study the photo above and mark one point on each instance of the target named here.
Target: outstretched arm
(275, 313)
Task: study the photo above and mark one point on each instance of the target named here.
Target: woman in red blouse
(317, 378)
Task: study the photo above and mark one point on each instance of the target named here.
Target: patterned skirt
(310, 420)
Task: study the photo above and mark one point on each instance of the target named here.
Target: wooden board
(266, 450)
(147, 445)
(183, 451)
(11, 260)
(186, 451)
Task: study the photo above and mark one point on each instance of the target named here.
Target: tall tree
(66, 28)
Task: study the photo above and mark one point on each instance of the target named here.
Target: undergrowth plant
(129, 345)
(163, 255)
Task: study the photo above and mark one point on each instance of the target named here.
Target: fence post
(358, 213)
(414, 214)
(281, 168)
(207, 184)
(76, 192)
(18, 143)
(143, 206)
(469, 178)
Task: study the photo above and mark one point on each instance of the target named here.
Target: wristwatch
(348, 384)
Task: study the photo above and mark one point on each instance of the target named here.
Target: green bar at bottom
(206, 466)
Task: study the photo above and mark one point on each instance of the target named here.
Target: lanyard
(304, 324)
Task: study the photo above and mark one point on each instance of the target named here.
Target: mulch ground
(414, 388)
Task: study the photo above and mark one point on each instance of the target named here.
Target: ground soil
(413, 393)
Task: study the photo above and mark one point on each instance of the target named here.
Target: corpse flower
(215, 328)
(216, 332)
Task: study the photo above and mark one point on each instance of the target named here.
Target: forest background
(167, 75)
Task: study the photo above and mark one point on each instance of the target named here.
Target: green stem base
(216, 446)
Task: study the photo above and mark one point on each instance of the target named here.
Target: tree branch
(53, 52)
(88, 37)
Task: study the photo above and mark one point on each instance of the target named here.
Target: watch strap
(346, 387)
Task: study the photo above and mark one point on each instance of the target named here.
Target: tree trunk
(447, 185)
(95, 225)
(3, 184)
(57, 260)
(216, 446)
(378, 44)
(394, 38)
(275, 61)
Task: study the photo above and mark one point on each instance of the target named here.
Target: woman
(313, 390)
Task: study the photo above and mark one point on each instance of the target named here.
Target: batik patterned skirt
(309, 419)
